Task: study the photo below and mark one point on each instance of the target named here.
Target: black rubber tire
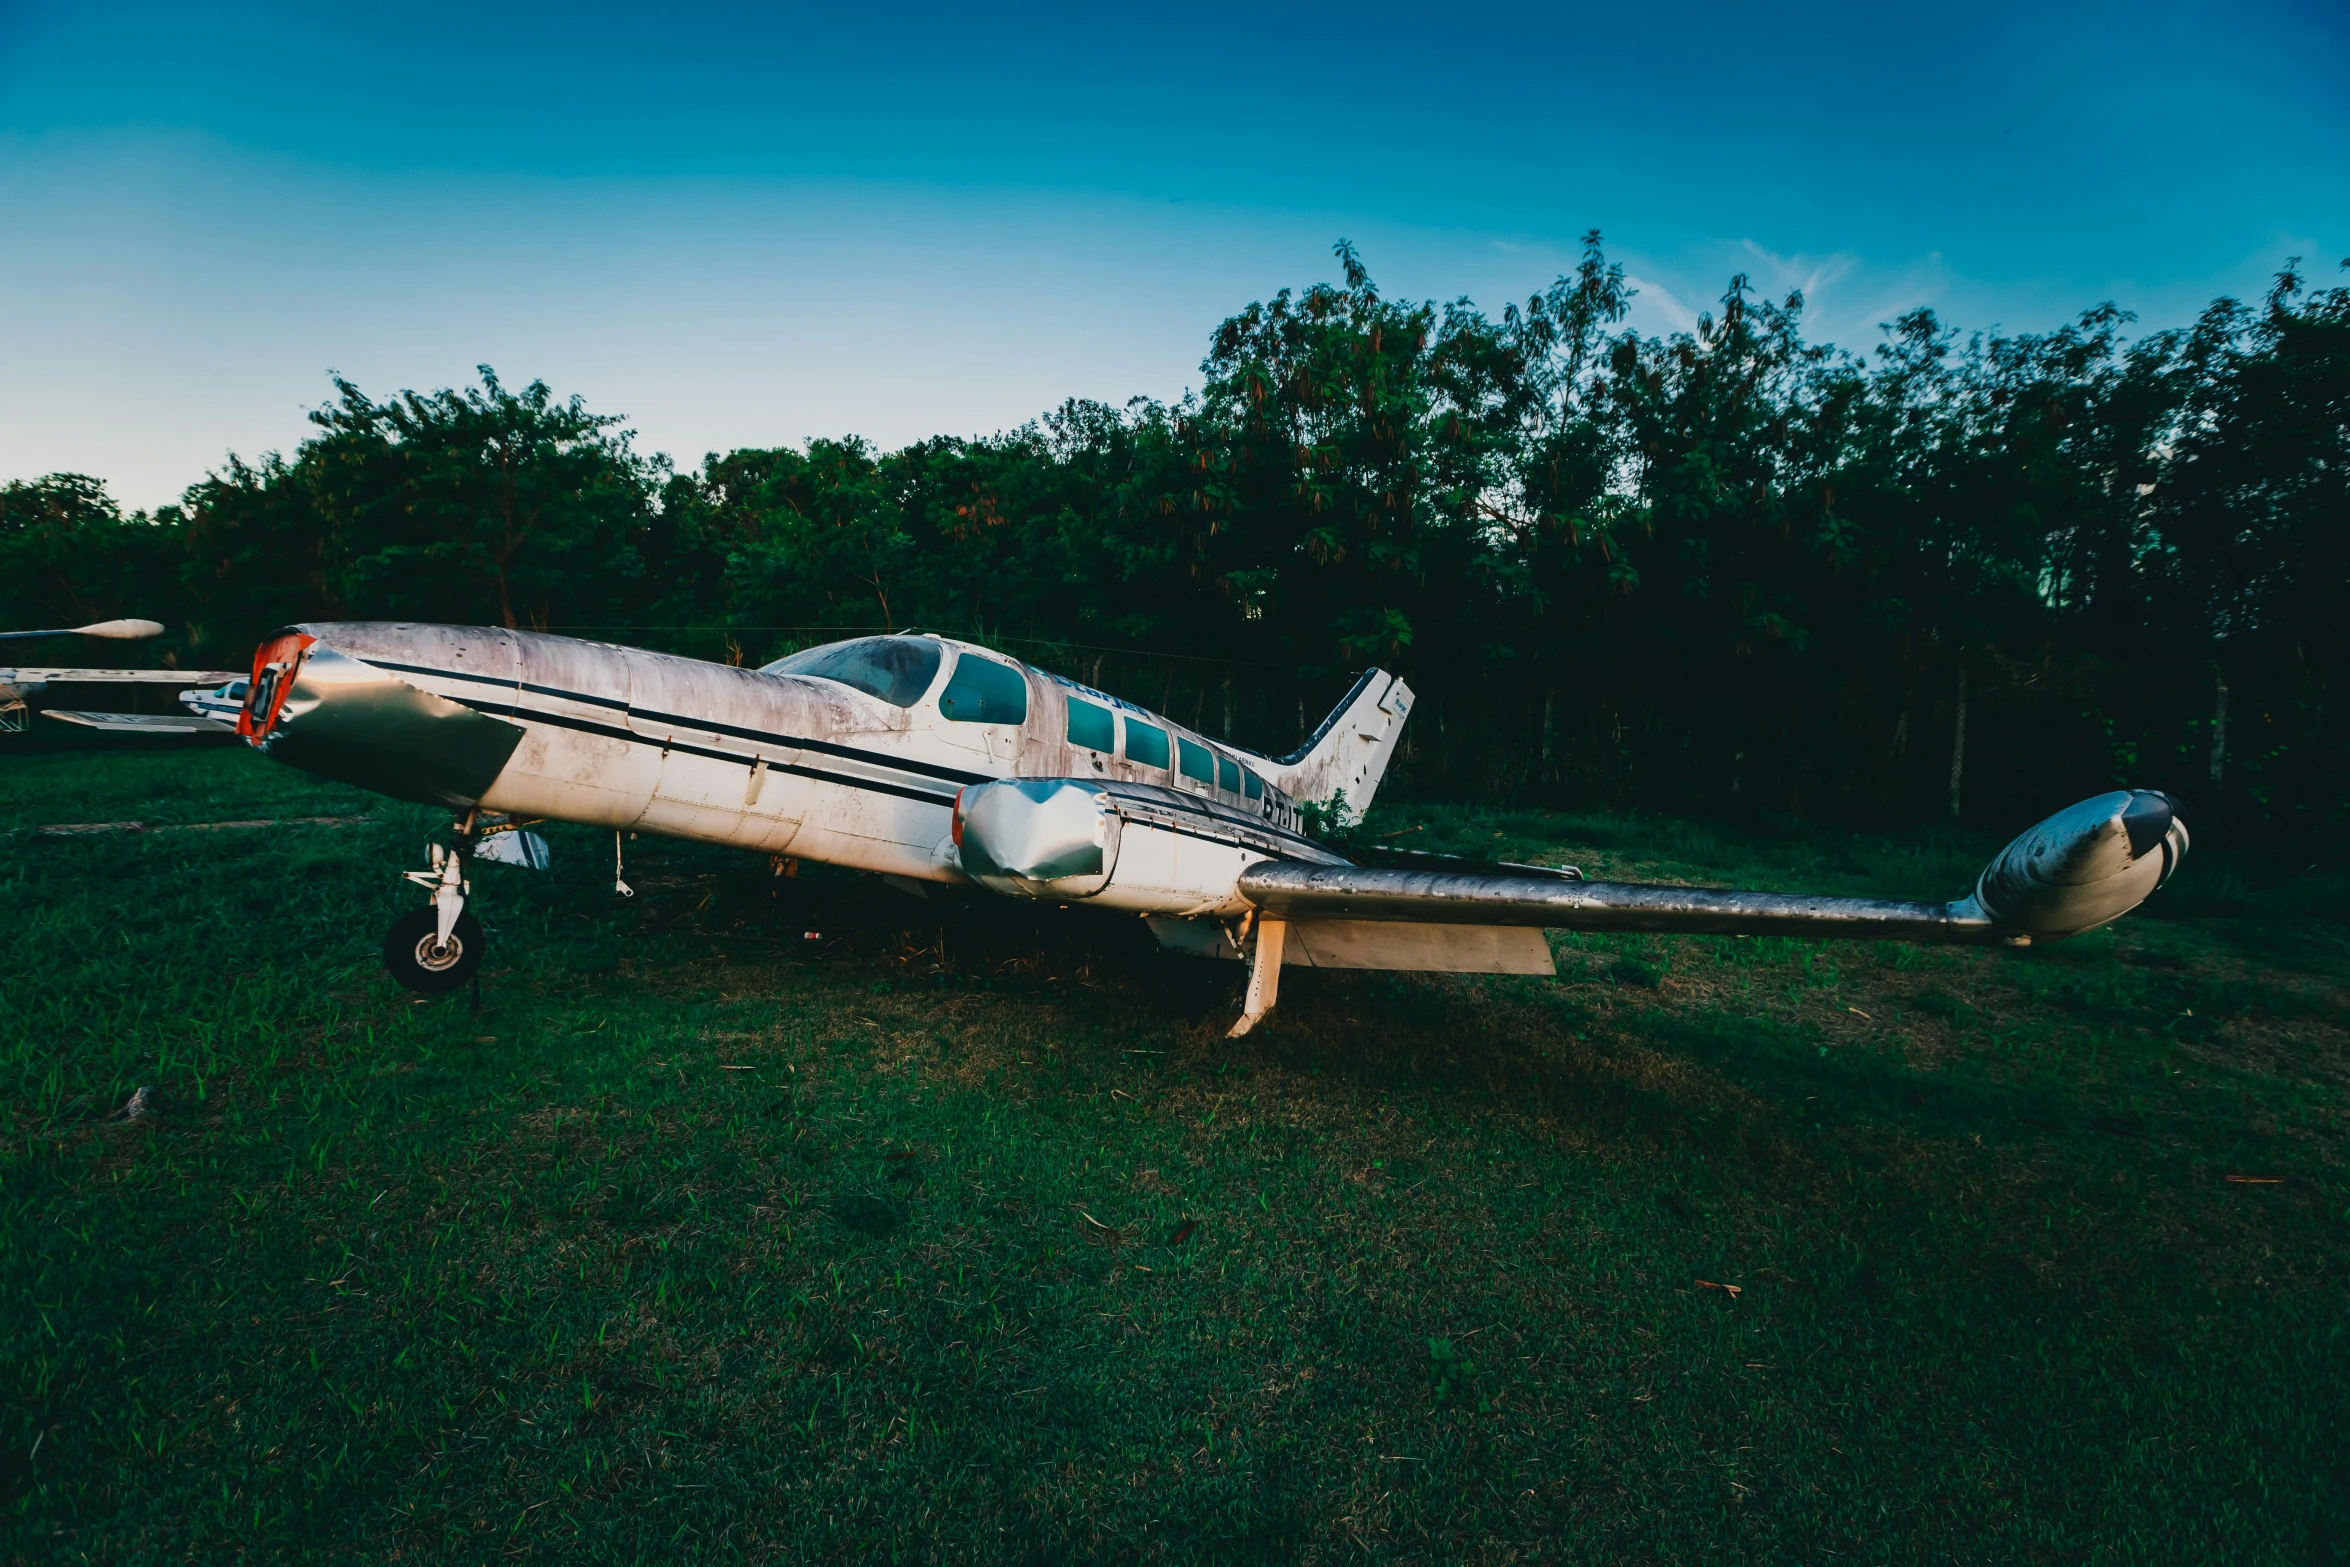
(408, 951)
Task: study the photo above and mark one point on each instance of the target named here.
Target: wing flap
(1438, 949)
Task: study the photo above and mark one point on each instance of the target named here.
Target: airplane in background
(929, 760)
(20, 686)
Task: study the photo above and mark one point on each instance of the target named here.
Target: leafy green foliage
(1725, 569)
(68, 557)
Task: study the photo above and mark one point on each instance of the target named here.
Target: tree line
(1723, 570)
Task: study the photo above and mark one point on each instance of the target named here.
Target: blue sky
(754, 225)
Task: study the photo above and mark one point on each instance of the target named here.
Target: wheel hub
(435, 959)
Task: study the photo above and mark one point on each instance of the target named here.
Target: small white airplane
(217, 704)
(929, 760)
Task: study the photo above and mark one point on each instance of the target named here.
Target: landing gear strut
(1264, 974)
(439, 947)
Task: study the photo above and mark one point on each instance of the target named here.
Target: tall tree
(69, 556)
(484, 504)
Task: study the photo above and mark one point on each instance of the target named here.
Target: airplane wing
(1355, 892)
(45, 675)
(144, 723)
(2079, 869)
(20, 686)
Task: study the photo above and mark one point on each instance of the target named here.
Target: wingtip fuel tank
(2084, 867)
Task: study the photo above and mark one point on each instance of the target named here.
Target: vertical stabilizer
(1349, 753)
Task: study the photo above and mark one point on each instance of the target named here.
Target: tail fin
(1349, 753)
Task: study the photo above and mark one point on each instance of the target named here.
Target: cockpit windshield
(896, 669)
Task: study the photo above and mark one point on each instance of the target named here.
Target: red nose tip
(274, 662)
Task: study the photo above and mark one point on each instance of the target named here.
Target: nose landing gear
(439, 947)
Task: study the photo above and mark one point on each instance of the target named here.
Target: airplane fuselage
(862, 772)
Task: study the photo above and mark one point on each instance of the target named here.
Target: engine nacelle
(1132, 847)
(1047, 838)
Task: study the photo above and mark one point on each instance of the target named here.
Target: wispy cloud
(1656, 307)
(1846, 297)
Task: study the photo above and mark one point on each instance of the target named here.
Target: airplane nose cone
(2086, 865)
(1038, 837)
(313, 706)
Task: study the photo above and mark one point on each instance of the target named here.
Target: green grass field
(803, 1221)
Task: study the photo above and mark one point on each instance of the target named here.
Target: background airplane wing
(145, 723)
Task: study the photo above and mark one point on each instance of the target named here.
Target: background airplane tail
(1348, 754)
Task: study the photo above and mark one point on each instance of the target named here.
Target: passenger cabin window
(1145, 745)
(984, 692)
(1253, 785)
(1197, 763)
(1092, 727)
(1227, 775)
(896, 669)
